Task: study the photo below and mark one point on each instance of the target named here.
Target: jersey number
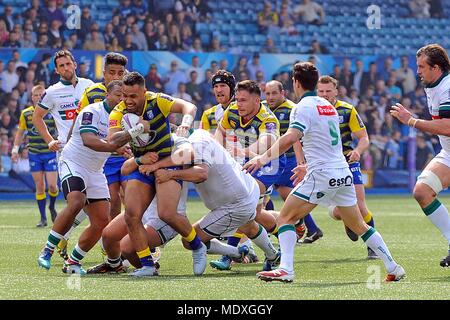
(333, 133)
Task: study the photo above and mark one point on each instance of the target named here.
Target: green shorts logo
(320, 195)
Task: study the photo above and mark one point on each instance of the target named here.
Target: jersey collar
(67, 83)
(309, 94)
(106, 107)
(438, 81)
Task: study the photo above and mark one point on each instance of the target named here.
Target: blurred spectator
(270, 47)
(125, 9)
(370, 77)
(310, 12)
(424, 152)
(14, 40)
(241, 66)
(22, 165)
(268, 20)
(181, 93)
(86, 22)
(255, 66)
(114, 46)
(195, 66)
(27, 41)
(186, 37)
(163, 43)
(95, 43)
(6, 163)
(207, 93)
(108, 33)
(54, 32)
(8, 18)
(317, 48)
(172, 78)
(9, 77)
(337, 71)
(121, 34)
(174, 37)
(129, 45)
(75, 43)
(140, 9)
(4, 33)
(214, 67)
(419, 8)
(7, 124)
(149, 32)
(242, 76)
(394, 91)
(139, 38)
(163, 6)
(17, 61)
(357, 76)
(29, 81)
(261, 83)
(52, 12)
(216, 46)
(115, 21)
(387, 69)
(193, 88)
(342, 94)
(43, 69)
(346, 78)
(83, 71)
(196, 46)
(418, 96)
(392, 155)
(153, 79)
(406, 76)
(42, 41)
(436, 10)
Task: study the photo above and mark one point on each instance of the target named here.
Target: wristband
(187, 120)
(137, 130)
(15, 149)
(414, 124)
(138, 161)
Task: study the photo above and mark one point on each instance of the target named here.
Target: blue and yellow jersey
(208, 121)
(92, 94)
(349, 122)
(264, 122)
(35, 142)
(283, 112)
(156, 110)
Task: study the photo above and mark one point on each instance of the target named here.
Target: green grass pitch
(332, 268)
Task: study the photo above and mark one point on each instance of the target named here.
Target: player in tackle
(328, 179)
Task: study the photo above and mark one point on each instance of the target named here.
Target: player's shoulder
(120, 107)
(232, 106)
(210, 110)
(29, 109)
(93, 107)
(344, 105)
(265, 113)
(85, 82)
(289, 104)
(96, 87)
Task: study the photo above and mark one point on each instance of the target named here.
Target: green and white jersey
(318, 120)
(61, 100)
(93, 119)
(438, 97)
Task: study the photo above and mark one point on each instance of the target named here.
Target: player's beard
(68, 76)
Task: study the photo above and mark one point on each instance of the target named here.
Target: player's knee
(131, 218)
(422, 193)
(168, 216)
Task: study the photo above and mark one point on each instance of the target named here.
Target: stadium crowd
(136, 25)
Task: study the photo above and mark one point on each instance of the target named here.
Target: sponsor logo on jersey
(271, 127)
(166, 97)
(347, 181)
(326, 110)
(113, 123)
(67, 105)
(341, 119)
(150, 115)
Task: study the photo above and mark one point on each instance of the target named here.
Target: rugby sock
(369, 219)
(438, 215)
(145, 257)
(114, 262)
(375, 242)
(214, 246)
(53, 240)
(78, 220)
(193, 239)
(269, 205)
(41, 201)
(235, 239)
(262, 241)
(287, 239)
(53, 197)
(77, 254)
(310, 224)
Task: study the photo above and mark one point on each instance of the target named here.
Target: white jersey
(61, 100)
(318, 120)
(438, 96)
(227, 185)
(92, 119)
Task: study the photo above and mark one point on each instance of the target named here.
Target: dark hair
(63, 53)
(436, 55)
(224, 76)
(307, 74)
(132, 78)
(115, 58)
(250, 86)
(113, 84)
(328, 79)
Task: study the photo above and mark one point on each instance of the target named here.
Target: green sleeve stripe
(431, 208)
(368, 233)
(88, 130)
(43, 106)
(298, 124)
(444, 108)
(300, 195)
(88, 127)
(296, 127)
(286, 227)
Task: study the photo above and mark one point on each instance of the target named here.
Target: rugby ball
(130, 120)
